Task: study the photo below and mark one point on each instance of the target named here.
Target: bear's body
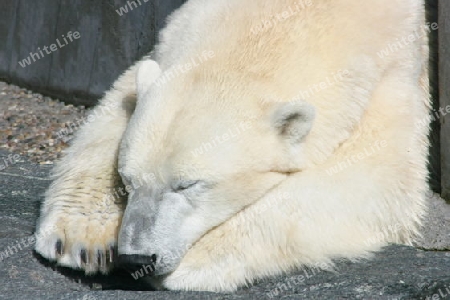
(352, 180)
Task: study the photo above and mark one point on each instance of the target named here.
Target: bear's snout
(151, 234)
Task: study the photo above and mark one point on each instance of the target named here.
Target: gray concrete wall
(444, 93)
(79, 71)
(435, 149)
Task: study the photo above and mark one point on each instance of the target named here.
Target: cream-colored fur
(356, 182)
(75, 210)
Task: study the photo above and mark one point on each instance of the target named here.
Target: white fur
(285, 209)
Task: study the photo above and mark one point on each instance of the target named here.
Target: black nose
(135, 262)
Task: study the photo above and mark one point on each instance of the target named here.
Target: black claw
(58, 247)
(111, 254)
(83, 256)
(101, 258)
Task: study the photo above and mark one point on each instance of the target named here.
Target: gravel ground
(34, 126)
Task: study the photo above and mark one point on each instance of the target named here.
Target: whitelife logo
(40, 53)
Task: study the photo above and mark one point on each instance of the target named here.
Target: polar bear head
(196, 151)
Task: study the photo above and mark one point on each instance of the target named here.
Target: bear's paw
(80, 234)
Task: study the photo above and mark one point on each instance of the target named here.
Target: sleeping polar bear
(260, 136)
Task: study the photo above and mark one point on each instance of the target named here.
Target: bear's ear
(293, 121)
(148, 71)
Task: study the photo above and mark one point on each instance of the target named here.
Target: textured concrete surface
(398, 272)
(436, 231)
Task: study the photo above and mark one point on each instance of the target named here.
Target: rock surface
(398, 272)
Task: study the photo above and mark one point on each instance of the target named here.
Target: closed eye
(185, 184)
